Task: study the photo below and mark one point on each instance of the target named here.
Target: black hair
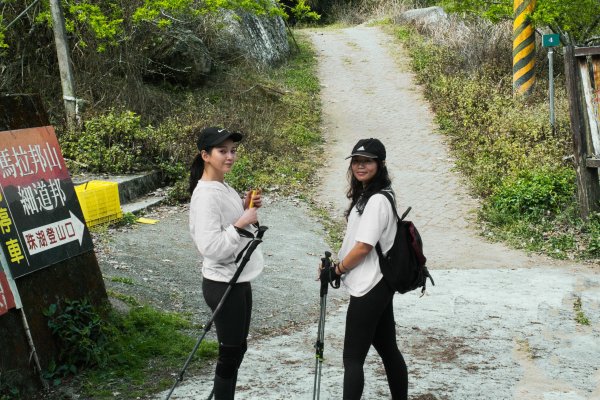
(197, 169)
(359, 195)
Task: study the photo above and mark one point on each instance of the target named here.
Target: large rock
(179, 57)
(258, 38)
(424, 16)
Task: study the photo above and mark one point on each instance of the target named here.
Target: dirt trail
(498, 325)
(368, 91)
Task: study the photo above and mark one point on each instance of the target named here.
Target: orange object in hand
(252, 194)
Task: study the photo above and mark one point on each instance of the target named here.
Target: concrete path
(499, 324)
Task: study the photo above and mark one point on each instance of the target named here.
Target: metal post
(551, 84)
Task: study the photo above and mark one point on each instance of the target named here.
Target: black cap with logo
(212, 136)
(371, 148)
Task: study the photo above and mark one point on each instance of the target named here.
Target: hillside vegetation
(137, 115)
(521, 168)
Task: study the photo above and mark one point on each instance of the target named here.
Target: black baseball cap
(371, 148)
(213, 135)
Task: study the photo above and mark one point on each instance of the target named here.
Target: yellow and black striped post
(523, 48)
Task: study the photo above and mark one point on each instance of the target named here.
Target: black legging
(232, 323)
(370, 320)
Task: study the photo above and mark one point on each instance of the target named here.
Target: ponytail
(196, 171)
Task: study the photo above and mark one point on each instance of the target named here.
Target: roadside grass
(513, 161)
(145, 339)
(334, 228)
(121, 279)
(116, 354)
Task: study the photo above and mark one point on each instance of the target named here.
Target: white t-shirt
(376, 224)
(214, 208)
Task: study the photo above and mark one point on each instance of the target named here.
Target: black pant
(370, 321)
(232, 324)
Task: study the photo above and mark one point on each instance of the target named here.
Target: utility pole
(64, 62)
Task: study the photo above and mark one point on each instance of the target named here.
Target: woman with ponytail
(370, 315)
(218, 219)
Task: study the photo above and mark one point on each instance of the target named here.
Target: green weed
(121, 279)
(82, 336)
(128, 219)
(580, 316)
(130, 300)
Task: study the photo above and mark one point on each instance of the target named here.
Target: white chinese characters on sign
(46, 237)
(40, 196)
(18, 162)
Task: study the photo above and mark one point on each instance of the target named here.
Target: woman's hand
(250, 216)
(256, 199)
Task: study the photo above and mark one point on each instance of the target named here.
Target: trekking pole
(246, 253)
(319, 345)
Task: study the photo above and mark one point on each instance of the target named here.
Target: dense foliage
(576, 21)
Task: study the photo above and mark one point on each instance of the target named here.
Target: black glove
(328, 275)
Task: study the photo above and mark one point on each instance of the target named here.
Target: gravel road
(499, 324)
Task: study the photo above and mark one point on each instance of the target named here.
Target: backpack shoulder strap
(388, 194)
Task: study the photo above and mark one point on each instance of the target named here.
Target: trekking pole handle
(325, 263)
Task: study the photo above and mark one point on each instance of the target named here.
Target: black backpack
(403, 267)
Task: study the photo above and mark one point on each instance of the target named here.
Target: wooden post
(64, 62)
(588, 186)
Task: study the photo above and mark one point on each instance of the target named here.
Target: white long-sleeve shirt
(214, 208)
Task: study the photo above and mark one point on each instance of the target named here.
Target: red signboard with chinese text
(41, 222)
(7, 301)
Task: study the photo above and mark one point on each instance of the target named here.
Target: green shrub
(81, 336)
(179, 192)
(113, 143)
(531, 195)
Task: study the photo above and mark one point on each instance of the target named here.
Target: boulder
(262, 39)
(423, 16)
(178, 56)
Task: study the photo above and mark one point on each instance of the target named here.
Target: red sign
(41, 222)
(7, 300)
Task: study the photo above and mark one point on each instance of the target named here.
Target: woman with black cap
(217, 216)
(370, 315)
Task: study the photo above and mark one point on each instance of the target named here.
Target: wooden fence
(582, 69)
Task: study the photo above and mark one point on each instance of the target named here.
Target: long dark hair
(359, 195)
(197, 169)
